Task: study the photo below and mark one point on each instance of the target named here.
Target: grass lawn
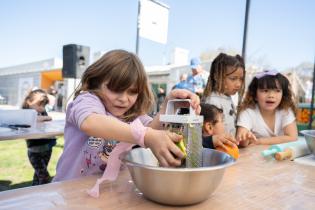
(15, 168)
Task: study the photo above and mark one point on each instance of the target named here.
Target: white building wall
(14, 80)
(12, 89)
(39, 66)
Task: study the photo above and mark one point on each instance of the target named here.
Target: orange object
(233, 151)
(303, 115)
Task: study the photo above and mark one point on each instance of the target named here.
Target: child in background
(39, 150)
(109, 107)
(266, 115)
(213, 134)
(226, 78)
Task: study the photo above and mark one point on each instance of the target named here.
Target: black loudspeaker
(75, 60)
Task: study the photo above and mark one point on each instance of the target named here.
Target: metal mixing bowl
(176, 186)
(310, 139)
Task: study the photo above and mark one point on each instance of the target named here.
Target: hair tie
(264, 73)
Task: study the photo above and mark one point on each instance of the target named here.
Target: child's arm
(220, 140)
(290, 134)
(176, 93)
(159, 141)
(245, 137)
(43, 118)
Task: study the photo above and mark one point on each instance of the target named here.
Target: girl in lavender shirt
(113, 94)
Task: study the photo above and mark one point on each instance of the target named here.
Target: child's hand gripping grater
(181, 118)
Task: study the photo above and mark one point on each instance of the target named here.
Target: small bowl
(176, 186)
(310, 139)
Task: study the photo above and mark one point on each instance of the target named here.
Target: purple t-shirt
(84, 155)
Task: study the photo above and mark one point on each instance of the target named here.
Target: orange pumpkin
(233, 151)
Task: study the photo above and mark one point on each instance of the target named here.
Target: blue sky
(281, 33)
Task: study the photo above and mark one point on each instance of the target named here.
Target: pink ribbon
(114, 161)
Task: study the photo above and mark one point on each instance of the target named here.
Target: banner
(153, 21)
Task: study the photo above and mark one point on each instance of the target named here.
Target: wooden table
(42, 130)
(252, 183)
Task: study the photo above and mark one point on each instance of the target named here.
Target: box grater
(181, 118)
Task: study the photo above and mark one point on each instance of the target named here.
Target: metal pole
(245, 30)
(312, 101)
(138, 28)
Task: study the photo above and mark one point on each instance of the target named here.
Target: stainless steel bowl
(310, 139)
(176, 186)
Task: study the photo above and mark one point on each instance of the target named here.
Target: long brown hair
(120, 69)
(269, 82)
(219, 71)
